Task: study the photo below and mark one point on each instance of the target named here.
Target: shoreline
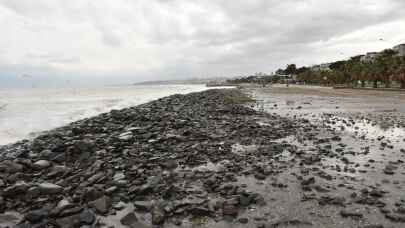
(34, 111)
(165, 139)
(214, 159)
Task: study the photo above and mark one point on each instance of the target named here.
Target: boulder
(10, 167)
(102, 204)
(49, 188)
(41, 164)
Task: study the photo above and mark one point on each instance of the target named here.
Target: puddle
(365, 128)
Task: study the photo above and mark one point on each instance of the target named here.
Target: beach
(300, 156)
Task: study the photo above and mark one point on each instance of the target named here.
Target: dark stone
(129, 219)
(87, 217)
(16, 189)
(143, 205)
(158, 215)
(243, 220)
(352, 214)
(102, 204)
(230, 210)
(36, 215)
(10, 167)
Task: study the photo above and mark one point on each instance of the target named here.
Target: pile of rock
(142, 155)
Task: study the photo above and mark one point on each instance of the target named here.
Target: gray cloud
(161, 39)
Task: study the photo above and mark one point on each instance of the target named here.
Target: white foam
(35, 110)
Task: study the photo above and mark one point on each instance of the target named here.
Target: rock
(332, 200)
(23, 225)
(245, 200)
(143, 205)
(390, 169)
(243, 220)
(291, 222)
(41, 164)
(125, 136)
(352, 214)
(395, 217)
(129, 220)
(373, 226)
(10, 167)
(308, 181)
(17, 189)
(119, 176)
(49, 188)
(158, 215)
(170, 164)
(87, 217)
(230, 210)
(111, 190)
(102, 204)
(69, 221)
(199, 211)
(62, 205)
(260, 176)
(150, 152)
(36, 216)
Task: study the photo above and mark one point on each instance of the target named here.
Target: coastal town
(373, 69)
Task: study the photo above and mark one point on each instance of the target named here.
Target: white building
(369, 57)
(400, 49)
(321, 67)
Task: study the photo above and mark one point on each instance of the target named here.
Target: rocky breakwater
(173, 159)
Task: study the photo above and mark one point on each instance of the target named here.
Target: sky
(54, 42)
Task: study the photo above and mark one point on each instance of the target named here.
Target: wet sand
(367, 155)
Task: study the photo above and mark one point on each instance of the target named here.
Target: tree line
(385, 69)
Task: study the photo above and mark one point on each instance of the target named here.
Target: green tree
(291, 69)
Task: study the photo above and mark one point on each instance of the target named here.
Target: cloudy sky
(120, 41)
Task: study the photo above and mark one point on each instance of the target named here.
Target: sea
(24, 113)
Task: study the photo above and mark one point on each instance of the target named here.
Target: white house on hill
(400, 49)
(369, 57)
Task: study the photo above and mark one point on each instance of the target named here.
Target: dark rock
(15, 190)
(352, 214)
(129, 219)
(158, 215)
(87, 217)
(102, 204)
(36, 215)
(395, 217)
(143, 205)
(243, 220)
(260, 176)
(230, 210)
(10, 167)
(170, 164)
(308, 181)
(49, 188)
(373, 226)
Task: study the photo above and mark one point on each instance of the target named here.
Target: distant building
(400, 49)
(321, 67)
(369, 57)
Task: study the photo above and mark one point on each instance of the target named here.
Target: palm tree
(399, 75)
(384, 65)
